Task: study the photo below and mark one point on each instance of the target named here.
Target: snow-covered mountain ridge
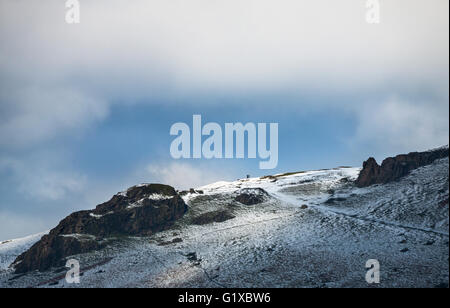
(306, 229)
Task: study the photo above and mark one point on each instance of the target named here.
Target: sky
(86, 109)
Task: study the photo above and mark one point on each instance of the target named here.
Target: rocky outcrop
(141, 210)
(393, 168)
(251, 196)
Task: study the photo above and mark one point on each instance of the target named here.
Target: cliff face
(142, 210)
(393, 168)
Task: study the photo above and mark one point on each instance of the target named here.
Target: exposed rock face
(51, 251)
(334, 200)
(141, 210)
(393, 168)
(251, 196)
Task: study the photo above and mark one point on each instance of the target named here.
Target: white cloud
(37, 179)
(16, 226)
(233, 44)
(36, 114)
(184, 175)
(57, 78)
(401, 125)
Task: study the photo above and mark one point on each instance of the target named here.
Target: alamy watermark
(73, 274)
(73, 12)
(373, 274)
(373, 11)
(235, 134)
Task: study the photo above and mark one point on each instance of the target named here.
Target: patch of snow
(159, 197)
(100, 216)
(155, 197)
(214, 185)
(79, 237)
(125, 192)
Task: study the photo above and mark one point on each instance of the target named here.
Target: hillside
(305, 229)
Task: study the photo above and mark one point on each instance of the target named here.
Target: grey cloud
(37, 178)
(36, 114)
(400, 125)
(15, 226)
(57, 77)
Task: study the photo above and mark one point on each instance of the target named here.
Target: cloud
(36, 114)
(402, 125)
(57, 78)
(36, 179)
(15, 226)
(184, 175)
(224, 45)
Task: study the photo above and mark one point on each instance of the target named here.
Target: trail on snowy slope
(294, 202)
(379, 221)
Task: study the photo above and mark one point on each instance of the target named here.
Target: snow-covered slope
(9, 250)
(311, 229)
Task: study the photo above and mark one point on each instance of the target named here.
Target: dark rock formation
(393, 168)
(51, 251)
(334, 200)
(214, 216)
(251, 196)
(142, 210)
(444, 203)
(174, 241)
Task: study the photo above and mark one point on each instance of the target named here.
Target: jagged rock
(141, 210)
(393, 168)
(251, 196)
